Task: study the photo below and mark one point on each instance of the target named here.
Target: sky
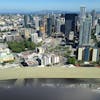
(35, 5)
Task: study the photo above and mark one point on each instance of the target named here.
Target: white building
(50, 59)
(40, 50)
(3, 46)
(36, 21)
(95, 55)
(6, 55)
(55, 59)
(97, 29)
(98, 32)
(58, 25)
(92, 54)
(34, 37)
(80, 54)
(47, 60)
(71, 35)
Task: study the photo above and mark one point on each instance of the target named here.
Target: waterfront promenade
(49, 72)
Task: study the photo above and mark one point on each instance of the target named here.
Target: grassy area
(49, 72)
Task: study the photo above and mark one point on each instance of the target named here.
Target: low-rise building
(47, 59)
(40, 50)
(12, 36)
(55, 59)
(6, 55)
(50, 59)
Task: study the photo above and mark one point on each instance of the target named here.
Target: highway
(49, 72)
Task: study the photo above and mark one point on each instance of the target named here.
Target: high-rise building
(58, 25)
(99, 21)
(26, 21)
(82, 12)
(63, 28)
(41, 23)
(85, 51)
(95, 56)
(49, 26)
(97, 32)
(70, 23)
(88, 54)
(36, 22)
(85, 31)
(53, 17)
(97, 29)
(93, 13)
(80, 53)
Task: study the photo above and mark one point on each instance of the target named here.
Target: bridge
(49, 72)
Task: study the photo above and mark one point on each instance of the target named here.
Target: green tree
(32, 46)
(20, 46)
(71, 60)
(16, 46)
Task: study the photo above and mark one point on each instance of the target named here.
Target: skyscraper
(36, 22)
(85, 27)
(93, 13)
(49, 26)
(83, 12)
(26, 21)
(85, 50)
(70, 23)
(53, 17)
(97, 29)
(63, 28)
(85, 31)
(99, 21)
(58, 25)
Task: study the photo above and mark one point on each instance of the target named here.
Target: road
(49, 72)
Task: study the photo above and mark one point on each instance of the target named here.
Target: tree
(20, 46)
(71, 60)
(16, 46)
(27, 44)
(32, 46)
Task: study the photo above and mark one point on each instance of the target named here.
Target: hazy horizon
(37, 5)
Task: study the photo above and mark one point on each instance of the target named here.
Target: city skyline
(33, 5)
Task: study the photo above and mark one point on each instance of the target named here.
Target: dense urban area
(50, 39)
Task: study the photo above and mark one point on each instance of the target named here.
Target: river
(50, 89)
